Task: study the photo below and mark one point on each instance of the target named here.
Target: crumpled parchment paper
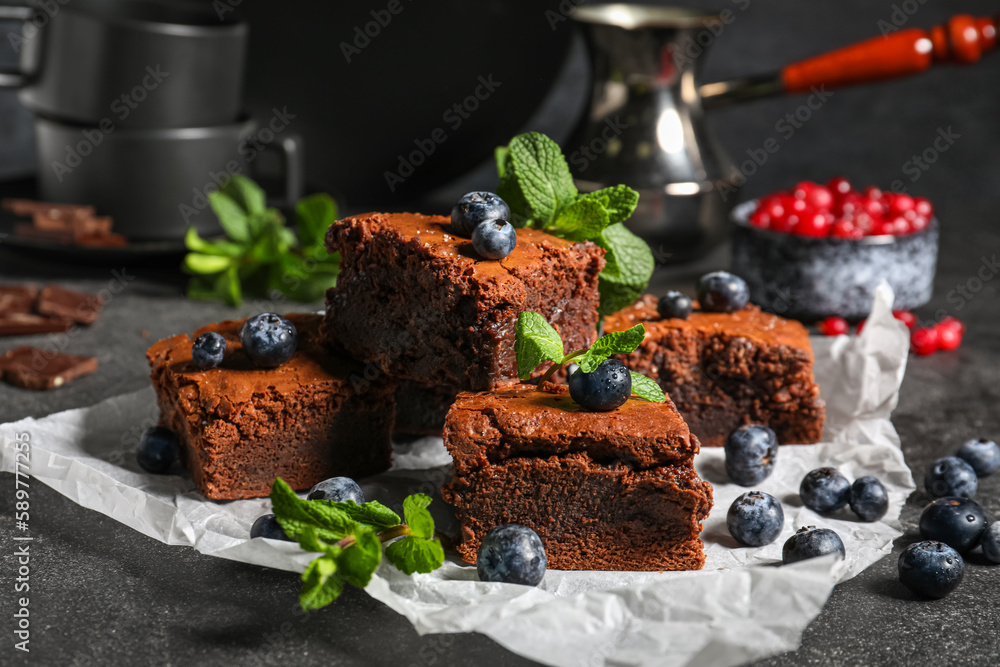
(740, 607)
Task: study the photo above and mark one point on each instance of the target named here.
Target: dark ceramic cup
(154, 182)
(136, 63)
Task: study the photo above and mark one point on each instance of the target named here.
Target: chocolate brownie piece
(421, 304)
(242, 426)
(604, 490)
(723, 370)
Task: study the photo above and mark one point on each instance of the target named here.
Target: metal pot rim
(633, 17)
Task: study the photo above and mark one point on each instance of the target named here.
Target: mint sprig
(260, 255)
(536, 183)
(535, 342)
(349, 538)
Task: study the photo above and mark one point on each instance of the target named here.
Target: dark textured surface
(103, 594)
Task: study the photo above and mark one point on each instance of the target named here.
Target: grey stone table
(104, 594)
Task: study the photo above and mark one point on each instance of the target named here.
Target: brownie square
(240, 426)
(604, 490)
(423, 306)
(723, 370)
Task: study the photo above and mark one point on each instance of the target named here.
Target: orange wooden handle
(964, 39)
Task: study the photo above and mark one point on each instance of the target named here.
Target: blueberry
(751, 452)
(755, 518)
(337, 489)
(930, 569)
(722, 292)
(158, 449)
(475, 207)
(269, 340)
(268, 526)
(958, 522)
(869, 499)
(990, 541)
(608, 387)
(825, 490)
(494, 239)
(951, 476)
(811, 542)
(513, 554)
(982, 454)
(674, 304)
(207, 350)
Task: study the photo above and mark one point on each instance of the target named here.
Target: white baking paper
(740, 607)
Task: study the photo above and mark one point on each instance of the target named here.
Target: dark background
(103, 594)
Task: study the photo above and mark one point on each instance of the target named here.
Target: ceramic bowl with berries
(820, 250)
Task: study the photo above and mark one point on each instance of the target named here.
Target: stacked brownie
(241, 426)
(724, 370)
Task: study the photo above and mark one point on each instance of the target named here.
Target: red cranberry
(919, 223)
(864, 222)
(873, 193)
(850, 203)
(811, 224)
(923, 207)
(925, 341)
(951, 323)
(772, 207)
(845, 229)
(819, 197)
(906, 317)
(901, 203)
(898, 226)
(760, 219)
(785, 224)
(949, 338)
(873, 207)
(833, 326)
(839, 185)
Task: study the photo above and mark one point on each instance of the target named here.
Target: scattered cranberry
(925, 341)
(949, 338)
(833, 326)
(838, 210)
(951, 323)
(906, 317)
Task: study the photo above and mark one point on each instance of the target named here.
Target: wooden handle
(964, 39)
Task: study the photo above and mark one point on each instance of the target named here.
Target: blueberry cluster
(756, 519)
(718, 292)
(959, 475)
(335, 489)
(825, 490)
(485, 218)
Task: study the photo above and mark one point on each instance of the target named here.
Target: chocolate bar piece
(76, 306)
(17, 299)
(33, 368)
(57, 220)
(24, 230)
(26, 324)
(28, 207)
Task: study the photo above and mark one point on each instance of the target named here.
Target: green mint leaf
(358, 562)
(535, 341)
(535, 179)
(417, 517)
(206, 264)
(372, 513)
(646, 388)
(328, 522)
(195, 243)
(246, 194)
(228, 285)
(501, 155)
(617, 342)
(629, 266)
(414, 554)
(231, 216)
(314, 215)
(583, 219)
(321, 585)
(619, 201)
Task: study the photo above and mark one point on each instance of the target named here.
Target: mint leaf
(535, 341)
(646, 388)
(246, 194)
(501, 154)
(296, 516)
(358, 562)
(314, 215)
(373, 513)
(321, 585)
(413, 554)
(535, 180)
(206, 264)
(617, 342)
(195, 243)
(418, 519)
(582, 220)
(231, 216)
(619, 201)
(629, 265)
